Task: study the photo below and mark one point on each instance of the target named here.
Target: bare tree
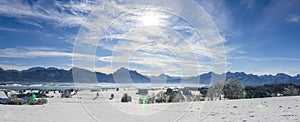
(215, 90)
(290, 91)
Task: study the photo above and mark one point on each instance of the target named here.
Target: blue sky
(261, 37)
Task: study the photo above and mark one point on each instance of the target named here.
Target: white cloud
(13, 67)
(20, 67)
(162, 47)
(294, 18)
(220, 14)
(12, 29)
(58, 13)
(27, 31)
(33, 52)
(172, 46)
(263, 58)
(154, 46)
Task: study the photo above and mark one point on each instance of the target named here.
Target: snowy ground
(89, 109)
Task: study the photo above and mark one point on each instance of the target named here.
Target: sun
(150, 19)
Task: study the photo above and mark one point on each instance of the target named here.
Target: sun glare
(151, 18)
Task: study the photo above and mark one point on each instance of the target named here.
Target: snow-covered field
(91, 109)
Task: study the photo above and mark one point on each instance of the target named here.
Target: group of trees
(234, 89)
(21, 99)
(164, 97)
(271, 90)
(170, 96)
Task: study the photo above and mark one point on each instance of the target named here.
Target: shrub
(31, 102)
(203, 91)
(126, 98)
(161, 97)
(37, 101)
(148, 99)
(42, 101)
(66, 94)
(14, 102)
(151, 100)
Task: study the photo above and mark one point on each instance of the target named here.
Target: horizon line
(7, 69)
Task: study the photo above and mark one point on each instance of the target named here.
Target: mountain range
(123, 75)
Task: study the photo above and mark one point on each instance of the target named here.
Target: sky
(259, 36)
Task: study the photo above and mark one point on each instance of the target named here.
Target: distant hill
(123, 75)
(36, 74)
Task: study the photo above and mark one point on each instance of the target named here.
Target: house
(3, 98)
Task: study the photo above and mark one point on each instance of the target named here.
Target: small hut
(3, 98)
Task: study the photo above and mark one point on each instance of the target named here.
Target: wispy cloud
(33, 52)
(13, 67)
(19, 67)
(293, 18)
(59, 13)
(135, 40)
(158, 48)
(150, 47)
(220, 14)
(263, 59)
(248, 3)
(27, 31)
(12, 29)
(277, 13)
